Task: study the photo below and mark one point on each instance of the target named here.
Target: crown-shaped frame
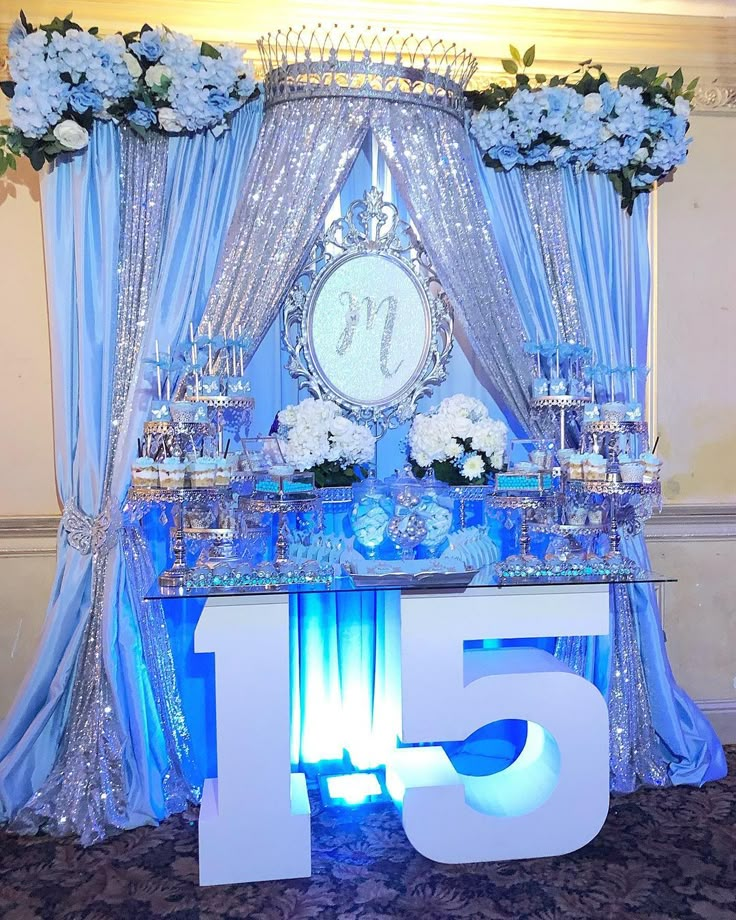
(310, 63)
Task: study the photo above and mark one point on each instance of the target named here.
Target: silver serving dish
(432, 578)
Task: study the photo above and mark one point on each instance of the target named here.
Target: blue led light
(353, 788)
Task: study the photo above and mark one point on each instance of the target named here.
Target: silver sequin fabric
(86, 792)
(544, 196)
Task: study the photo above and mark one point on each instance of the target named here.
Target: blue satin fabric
(81, 208)
(81, 226)
(610, 256)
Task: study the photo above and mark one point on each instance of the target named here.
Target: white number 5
(554, 798)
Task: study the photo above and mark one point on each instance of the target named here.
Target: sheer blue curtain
(610, 256)
(85, 256)
(80, 200)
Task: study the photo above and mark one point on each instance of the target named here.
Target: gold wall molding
(31, 527)
(692, 522)
(703, 46)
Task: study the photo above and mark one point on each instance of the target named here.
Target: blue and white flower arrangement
(459, 441)
(635, 132)
(65, 77)
(316, 436)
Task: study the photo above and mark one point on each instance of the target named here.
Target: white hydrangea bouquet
(315, 436)
(459, 441)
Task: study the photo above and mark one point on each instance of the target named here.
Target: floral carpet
(663, 854)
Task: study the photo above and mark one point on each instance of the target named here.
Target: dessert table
(255, 820)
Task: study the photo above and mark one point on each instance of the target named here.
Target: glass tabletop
(430, 581)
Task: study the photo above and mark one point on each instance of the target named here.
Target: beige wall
(696, 410)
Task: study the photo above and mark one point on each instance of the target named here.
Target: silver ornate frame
(370, 225)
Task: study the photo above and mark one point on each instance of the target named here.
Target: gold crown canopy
(317, 62)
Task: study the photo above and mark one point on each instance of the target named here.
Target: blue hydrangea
(149, 46)
(508, 155)
(84, 98)
(144, 115)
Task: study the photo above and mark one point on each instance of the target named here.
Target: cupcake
(591, 412)
(200, 414)
(144, 473)
(631, 470)
(576, 387)
(202, 472)
(558, 386)
(223, 471)
(540, 387)
(183, 411)
(575, 466)
(577, 515)
(171, 473)
(633, 412)
(595, 516)
(652, 466)
(594, 468)
(614, 412)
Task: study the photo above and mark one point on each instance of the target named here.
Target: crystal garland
(85, 794)
(543, 193)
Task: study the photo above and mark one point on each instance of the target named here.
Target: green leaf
(677, 81)
(8, 88)
(209, 51)
(94, 30)
(692, 84)
(509, 66)
(522, 79)
(540, 78)
(515, 54)
(11, 160)
(649, 73)
(37, 159)
(529, 55)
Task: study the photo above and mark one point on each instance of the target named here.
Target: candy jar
(370, 514)
(436, 507)
(407, 528)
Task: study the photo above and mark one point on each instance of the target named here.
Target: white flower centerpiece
(459, 441)
(316, 437)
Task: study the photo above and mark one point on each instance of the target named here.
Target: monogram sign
(367, 323)
(369, 328)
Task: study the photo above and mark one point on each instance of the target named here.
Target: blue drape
(81, 226)
(81, 209)
(610, 256)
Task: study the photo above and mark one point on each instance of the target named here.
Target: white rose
(168, 120)
(71, 135)
(131, 62)
(592, 103)
(157, 73)
(557, 152)
(682, 107)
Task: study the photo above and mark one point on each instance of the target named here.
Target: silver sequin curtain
(636, 755)
(544, 197)
(304, 152)
(86, 792)
(428, 153)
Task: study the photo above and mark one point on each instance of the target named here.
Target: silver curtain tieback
(89, 534)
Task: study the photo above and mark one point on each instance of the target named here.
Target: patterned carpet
(662, 854)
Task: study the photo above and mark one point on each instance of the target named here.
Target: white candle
(234, 362)
(209, 348)
(633, 375)
(158, 370)
(557, 350)
(539, 356)
(240, 348)
(168, 372)
(196, 383)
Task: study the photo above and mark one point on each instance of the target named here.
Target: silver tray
(431, 579)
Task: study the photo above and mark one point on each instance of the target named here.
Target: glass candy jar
(436, 508)
(407, 528)
(370, 514)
